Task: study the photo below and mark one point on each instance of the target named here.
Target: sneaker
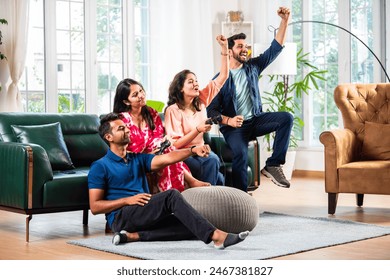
(119, 237)
(275, 173)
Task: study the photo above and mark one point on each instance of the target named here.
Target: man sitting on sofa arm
(118, 187)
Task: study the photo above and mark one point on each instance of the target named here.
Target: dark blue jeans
(238, 139)
(206, 169)
(167, 216)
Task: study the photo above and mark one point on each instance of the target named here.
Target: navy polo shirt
(119, 178)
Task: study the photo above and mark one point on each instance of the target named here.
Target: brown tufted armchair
(347, 169)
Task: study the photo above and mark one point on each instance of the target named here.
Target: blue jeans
(206, 169)
(238, 139)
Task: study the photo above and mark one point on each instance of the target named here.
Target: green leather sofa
(219, 146)
(29, 182)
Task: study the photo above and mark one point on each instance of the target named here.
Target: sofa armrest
(24, 169)
(341, 147)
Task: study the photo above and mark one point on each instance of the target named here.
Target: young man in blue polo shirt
(118, 187)
(239, 104)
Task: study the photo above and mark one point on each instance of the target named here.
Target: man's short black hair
(105, 126)
(231, 39)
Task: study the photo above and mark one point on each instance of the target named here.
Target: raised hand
(284, 13)
(222, 40)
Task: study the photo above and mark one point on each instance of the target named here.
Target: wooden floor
(50, 232)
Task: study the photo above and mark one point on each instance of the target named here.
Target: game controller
(163, 146)
(215, 120)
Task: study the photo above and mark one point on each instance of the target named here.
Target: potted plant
(2, 56)
(285, 97)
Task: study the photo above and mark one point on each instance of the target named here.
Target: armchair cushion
(50, 137)
(376, 143)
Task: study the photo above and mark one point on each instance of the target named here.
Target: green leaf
(279, 100)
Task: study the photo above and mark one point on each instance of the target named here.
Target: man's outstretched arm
(161, 161)
(284, 14)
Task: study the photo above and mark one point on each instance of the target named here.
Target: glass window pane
(103, 73)
(63, 46)
(116, 48)
(77, 13)
(62, 12)
(35, 77)
(35, 102)
(63, 102)
(78, 79)
(77, 39)
(115, 20)
(32, 82)
(63, 74)
(109, 51)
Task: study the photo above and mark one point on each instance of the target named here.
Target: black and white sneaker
(119, 237)
(275, 173)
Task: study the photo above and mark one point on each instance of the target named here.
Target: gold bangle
(224, 54)
(227, 121)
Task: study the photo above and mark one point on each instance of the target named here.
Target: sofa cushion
(50, 137)
(376, 142)
(67, 189)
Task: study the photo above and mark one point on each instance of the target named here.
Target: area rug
(275, 235)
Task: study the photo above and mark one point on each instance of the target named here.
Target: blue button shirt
(119, 178)
(225, 103)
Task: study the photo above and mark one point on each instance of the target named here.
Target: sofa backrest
(80, 133)
(359, 103)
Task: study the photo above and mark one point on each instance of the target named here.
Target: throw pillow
(50, 137)
(376, 142)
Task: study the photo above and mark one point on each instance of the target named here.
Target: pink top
(177, 124)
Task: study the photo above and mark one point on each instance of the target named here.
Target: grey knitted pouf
(227, 208)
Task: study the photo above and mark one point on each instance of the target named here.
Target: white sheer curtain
(15, 36)
(181, 38)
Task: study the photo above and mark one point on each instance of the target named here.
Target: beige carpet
(275, 235)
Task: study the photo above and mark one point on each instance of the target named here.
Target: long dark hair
(175, 91)
(122, 93)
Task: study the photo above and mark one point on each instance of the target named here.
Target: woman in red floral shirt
(147, 134)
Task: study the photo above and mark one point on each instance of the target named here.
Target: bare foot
(192, 182)
(197, 183)
(131, 236)
(223, 240)
(218, 237)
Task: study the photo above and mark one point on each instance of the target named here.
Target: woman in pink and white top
(185, 116)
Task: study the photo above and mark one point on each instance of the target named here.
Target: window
(70, 56)
(78, 52)
(32, 82)
(331, 48)
(141, 38)
(109, 49)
